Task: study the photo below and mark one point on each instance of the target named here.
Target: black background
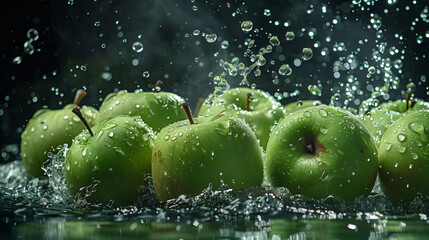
(68, 38)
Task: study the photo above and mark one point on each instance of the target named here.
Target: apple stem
(157, 84)
(76, 111)
(248, 101)
(80, 94)
(310, 148)
(198, 107)
(413, 103)
(188, 112)
(407, 99)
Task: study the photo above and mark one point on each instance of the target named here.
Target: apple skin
(344, 162)
(380, 118)
(119, 155)
(48, 129)
(264, 114)
(218, 149)
(295, 106)
(157, 109)
(404, 157)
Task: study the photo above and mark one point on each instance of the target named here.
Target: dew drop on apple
(307, 54)
(410, 166)
(322, 113)
(138, 47)
(402, 148)
(110, 134)
(401, 137)
(42, 136)
(119, 150)
(290, 36)
(414, 155)
(246, 26)
(388, 146)
(84, 151)
(166, 137)
(307, 114)
(45, 127)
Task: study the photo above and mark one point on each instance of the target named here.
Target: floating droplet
(246, 26)
(138, 46)
(285, 70)
(267, 12)
(290, 36)
(307, 54)
(225, 44)
(211, 37)
(274, 41)
(196, 32)
(146, 74)
(32, 34)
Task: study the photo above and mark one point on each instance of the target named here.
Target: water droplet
(138, 47)
(45, 127)
(32, 34)
(17, 60)
(290, 36)
(196, 32)
(119, 150)
(194, 8)
(410, 166)
(274, 41)
(267, 12)
(146, 74)
(246, 26)
(28, 47)
(224, 44)
(84, 151)
(417, 127)
(106, 76)
(167, 137)
(323, 130)
(285, 70)
(307, 54)
(314, 90)
(402, 148)
(414, 155)
(388, 146)
(307, 114)
(211, 37)
(110, 134)
(371, 70)
(97, 23)
(323, 113)
(401, 137)
(110, 126)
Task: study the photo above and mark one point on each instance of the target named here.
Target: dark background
(69, 39)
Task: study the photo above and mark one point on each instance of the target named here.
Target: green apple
(378, 119)
(216, 150)
(295, 106)
(320, 151)
(157, 109)
(48, 129)
(259, 109)
(118, 155)
(404, 157)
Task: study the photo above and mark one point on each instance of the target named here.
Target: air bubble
(307, 54)
(290, 36)
(211, 37)
(285, 70)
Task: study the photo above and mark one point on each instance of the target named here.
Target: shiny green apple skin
(218, 149)
(264, 114)
(119, 155)
(380, 118)
(157, 109)
(48, 129)
(404, 157)
(295, 106)
(346, 161)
